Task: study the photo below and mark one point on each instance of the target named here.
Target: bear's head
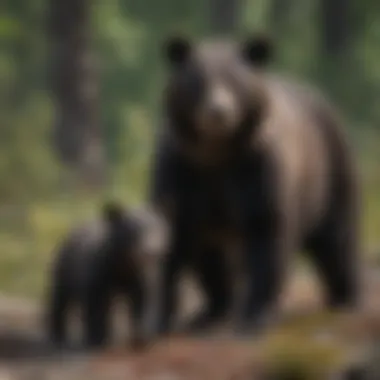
(215, 90)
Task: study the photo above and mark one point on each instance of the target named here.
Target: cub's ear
(257, 50)
(112, 212)
(177, 50)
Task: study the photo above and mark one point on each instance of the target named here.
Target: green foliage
(29, 235)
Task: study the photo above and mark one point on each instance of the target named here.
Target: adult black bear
(248, 156)
(116, 254)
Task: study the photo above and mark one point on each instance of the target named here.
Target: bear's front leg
(268, 218)
(96, 317)
(213, 273)
(265, 267)
(270, 240)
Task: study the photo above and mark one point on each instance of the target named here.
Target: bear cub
(118, 253)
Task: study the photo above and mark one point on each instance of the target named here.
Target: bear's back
(302, 130)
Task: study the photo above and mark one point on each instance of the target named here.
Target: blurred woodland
(80, 89)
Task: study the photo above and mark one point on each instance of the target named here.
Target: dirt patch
(24, 356)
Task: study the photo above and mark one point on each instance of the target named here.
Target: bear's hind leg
(335, 254)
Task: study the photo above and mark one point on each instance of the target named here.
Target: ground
(336, 341)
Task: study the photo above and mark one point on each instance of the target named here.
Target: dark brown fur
(279, 176)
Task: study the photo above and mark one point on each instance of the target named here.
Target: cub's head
(150, 233)
(214, 89)
(137, 237)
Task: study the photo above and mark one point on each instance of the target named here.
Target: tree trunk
(224, 15)
(336, 61)
(336, 26)
(77, 132)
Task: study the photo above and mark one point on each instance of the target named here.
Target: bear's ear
(177, 50)
(258, 50)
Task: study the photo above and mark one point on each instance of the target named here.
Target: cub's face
(148, 236)
(211, 90)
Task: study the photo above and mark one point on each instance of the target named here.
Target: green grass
(309, 348)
